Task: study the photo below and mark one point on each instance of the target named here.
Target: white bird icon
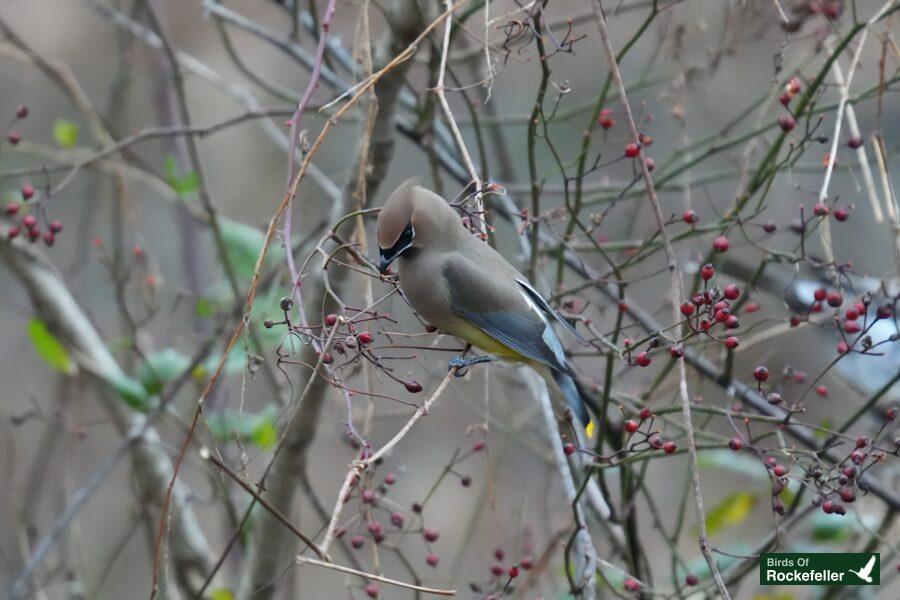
(865, 572)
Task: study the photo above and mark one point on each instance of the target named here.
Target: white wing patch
(549, 336)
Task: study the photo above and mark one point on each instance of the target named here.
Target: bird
(866, 572)
(464, 287)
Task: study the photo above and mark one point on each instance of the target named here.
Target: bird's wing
(542, 303)
(496, 304)
(868, 568)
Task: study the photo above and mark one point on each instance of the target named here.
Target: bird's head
(413, 218)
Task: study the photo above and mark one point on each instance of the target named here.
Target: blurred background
(137, 254)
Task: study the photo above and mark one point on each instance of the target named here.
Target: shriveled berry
(655, 442)
(286, 304)
(787, 122)
(413, 387)
(769, 227)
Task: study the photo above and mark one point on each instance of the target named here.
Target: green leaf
(183, 184)
(161, 367)
(256, 428)
(243, 244)
(221, 594)
(731, 461)
(132, 391)
(65, 133)
(730, 511)
(48, 347)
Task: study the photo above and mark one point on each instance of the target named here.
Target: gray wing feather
(514, 319)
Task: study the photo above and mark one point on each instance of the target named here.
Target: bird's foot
(462, 363)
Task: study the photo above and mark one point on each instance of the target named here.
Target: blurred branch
(153, 469)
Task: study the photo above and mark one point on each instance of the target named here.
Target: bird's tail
(572, 396)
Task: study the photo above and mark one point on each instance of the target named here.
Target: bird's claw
(460, 364)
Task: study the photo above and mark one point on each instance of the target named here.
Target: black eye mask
(404, 242)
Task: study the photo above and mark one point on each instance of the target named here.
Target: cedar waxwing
(465, 288)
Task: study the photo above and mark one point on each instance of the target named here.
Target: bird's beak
(385, 262)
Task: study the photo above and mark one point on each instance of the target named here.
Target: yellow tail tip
(589, 429)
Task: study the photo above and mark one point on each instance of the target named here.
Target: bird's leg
(463, 362)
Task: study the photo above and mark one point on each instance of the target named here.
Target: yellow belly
(478, 338)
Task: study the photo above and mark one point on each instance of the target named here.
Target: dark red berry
(13, 232)
(14, 137)
(568, 448)
(735, 443)
(29, 221)
(22, 112)
(855, 142)
(497, 570)
(49, 238)
(835, 299)
(644, 414)
(413, 387)
(769, 227)
(11, 209)
(761, 374)
(397, 520)
(841, 214)
(731, 342)
(847, 495)
(651, 164)
(676, 351)
(330, 320)
(357, 541)
(27, 191)
(372, 590)
(526, 562)
(731, 291)
(687, 309)
(786, 122)
(513, 571)
(632, 150)
(430, 535)
(691, 580)
(820, 210)
(642, 359)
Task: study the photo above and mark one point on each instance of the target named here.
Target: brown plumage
(465, 288)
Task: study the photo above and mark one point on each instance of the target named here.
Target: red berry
(430, 328)
(820, 210)
(828, 507)
(786, 122)
(642, 359)
(751, 307)
(690, 217)
(841, 214)
(720, 244)
(835, 299)
(13, 232)
(368, 496)
(330, 320)
(397, 520)
(822, 390)
(327, 358)
(707, 272)
(432, 559)
(687, 309)
(842, 347)
(27, 191)
(651, 164)
(862, 441)
(780, 471)
(390, 479)
(568, 448)
(632, 150)
(847, 495)
(820, 294)
(631, 585)
(785, 98)
(34, 235)
(372, 590)
(769, 227)
(430, 534)
(56, 226)
(731, 291)
(413, 387)
(606, 119)
(465, 481)
(735, 443)
(851, 327)
(497, 570)
(855, 142)
(857, 457)
(731, 342)
(761, 374)
(526, 562)
(670, 447)
(478, 446)
(14, 137)
(513, 571)
(364, 338)
(631, 425)
(11, 208)
(357, 541)
(691, 580)
(29, 221)
(676, 351)
(22, 112)
(49, 238)
(793, 85)
(644, 414)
